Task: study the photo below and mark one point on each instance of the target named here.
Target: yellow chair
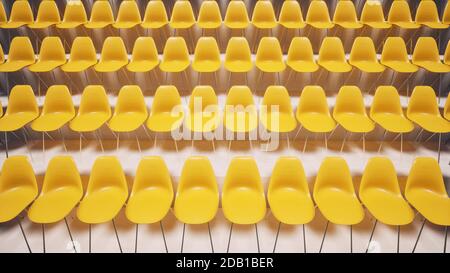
(335, 195)
(114, 55)
(423, 110)
(400, 15)
(426, 55)
(427, 14)
(21, 14)
(182, 15)
(209, 16)
(106, 192)
(446, 15)
(197, 198)
(130, 112)
(350, 111)
(47, 15)
(74, 15)
(94, 110)
(51, 56)
(101, 15)
(373, 16)
(61, 191)
(300, 55)
(152, 193)
(22, 109)
(263, 16)
(240, 113)
(345, 15)
(18, 187)
(387, 111)
(313, 112)
(175, 55)
(332, 55)
(238, 57)
(243, 200)
(206, 55)
(155, 15)
(364, 56)
(447, 108)
(236, 16)
(380, 193)
(291, 15)
(128, 15)
(166, 112)
(203, 110)
(144, 56)
(276, 110)
(58, 110)
(318, 15)
(82, 55)
(288, 194)
(447, 54)
(425, 191)
(20, 55)
(269, 57)
(3, 17)
(395, 56)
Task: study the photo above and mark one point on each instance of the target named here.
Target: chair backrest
(332, 50)
(74, 13)
(102, 13)
(318, 15)
(166, 98)
(209, 15)
(269, 49)
(426, 175)
(21, 49)
(182, 15)
(313, 100)
(207, 49)
(236, 15)
(345, 14)
(204, 96)
(21, 12)
(349, 100)
(334, 173)
(400, 13)
(48, 13)
(277, 96)
(288, 173)
(155, 12)
(238, 49)
(386, 100)
(176, 48)
(423, 100)
(94, 99)
(379, 173)
(300, 49)
(128, 14)
(394, 49)
(83, 50)
(263, 13)
(130, 100)
(107, 172)
(363, 49)
(52, 49)
(291, 15)
(62, 172)
(372, 14)
(426, 49)
(17, 172)
(144, 49)
(22, 99)
(114, 50)
(58, 100)
(427, 14)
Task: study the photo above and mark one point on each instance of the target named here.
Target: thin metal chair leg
(323, 238)
(276, 238)
(229, 238)
(257, 238)
(418, 236)
(164, 236)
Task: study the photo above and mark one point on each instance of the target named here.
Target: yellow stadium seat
(276, 113)
(291, 15)
(182, 15)
(395, 56)
(300, 55)
(263, 16)
(206, 55)
(332, 55)
(3, 17)
(74, 15)
(22, 109)
(238, 57)
(427, 14)
(400, 15)
(167, 111)
(155, 15)
(101, 15)
(236, 16)
(203, 110)
(20, 55)
(128, 15)
(269, 57)
(373, 16)
(82, 55)
(446, 15)
(364, 56)
(426, 55)
(130, 111)
(209, 16)
(144, 56)
(47, 15)
(51, 56)
(318, 15)
(114, 55)
(175, 55)
(21, 14)
(240, 113)
(345, 15)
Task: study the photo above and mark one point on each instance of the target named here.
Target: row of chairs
(238, 57)
(243, 198)
(240, 113)
(236, 17)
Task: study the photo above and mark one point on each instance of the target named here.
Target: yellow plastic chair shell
(313, 112)
(447, 54)
(345, 15)
(423, 110)
(58, 110)
(182, 15)
(114, 55)
(240, 113)
(238, 57)
(3, 17)
(144, 56)
(51, 56)
(94, 110)
(400, 15)
(22, 109)
(318, 15)
(426, 55)
(203, 113)
(335, 195)
(281, 118)
(380, 193)
(236, 16)
(395, 56)
(269, 57)
(206, 55)
(128, 15)
(61, 191)
(350, 111)
(427, 14)
(243, 200)
(373, 16)
(175, 55)
(155, 15)
(447, 108)
(106, 192)
(288, 194)
(332, 55)
(47, 15)
(291, 15)
(130, 112)
(167, 111)
(300, 55)
(18, 187)
(74, 15)
(425, 191)
(21, 14)
(446, 15)
(363, 56)
(209, 16)
(387, 111)
(101, 15)
(20, 55)
(82, 55)
(263, 16)
(197, 198)
(152, 193)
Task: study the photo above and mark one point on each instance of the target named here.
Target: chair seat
(206, 66)
(12, 122)
(381, 25)
(237, 24)
(244, 206)
(181, 24)
(399, 66)
(434, 207)
(238, 66)
(209, 25)
(284, 123)
(13, 66)
(369, 66)
(202, 122)
(437, 25)
(431, 123)
(51, 121)
(15, 24)
(109, 66)
(126, 122)
(42, 24)
(69, 24)
(348, 211)
(350, 25)
(271, 66)
(291, 206)
(435, 67)
(88, 122)
(77, 66)
(154, 25)
(321, 25)
(164, 122)
(264, 25)
(197, 205)
(393, 122)
(125, 25)
(355, 123)
(336, 66)
(173, 66)
(241, 122)
(45, 66)
(317, 122)
(303, 66)
(293, 24)
(149, 205)
(408, 25)
(142, 66)
(14, 201)
(97, 24)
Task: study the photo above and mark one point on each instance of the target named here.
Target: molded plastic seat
(313, 112)
(101, 15)
(58, 109)
(21, 14)
(61, 191)
(395, 56)
(400, 15)
(18, 187)
(94, 110)
(288, 194)
(3, 17)
(182, 15)
(263, 15)
(238, 57)
(130, 112)
(106, 192)
(387, 111)
(152, 193)
(114, 55)
(144, 56)
(281, 118)
(167, 111)
(447, 108)
(425, 191)
(209, 15)
(203, 110)
(318, 15)
(373, 16)
(345, 15)
(47, 15)
(197, 198)
(243, 200)
(380, 193)
(447, 54)
(128, 15)
(446, 15)
(332, 55)
(206, 55)
(350, 111)
(364, 56)
(22, 109)
(20, 55)
(175, 55)
(427, 14)
(335, 195)
(155, 15)
(82, 55)
(300, 55)
(291, 15)
(51, 56)
(236, 16)
(240, 113)
(74, 15)
(426, 55)
(269, 57)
